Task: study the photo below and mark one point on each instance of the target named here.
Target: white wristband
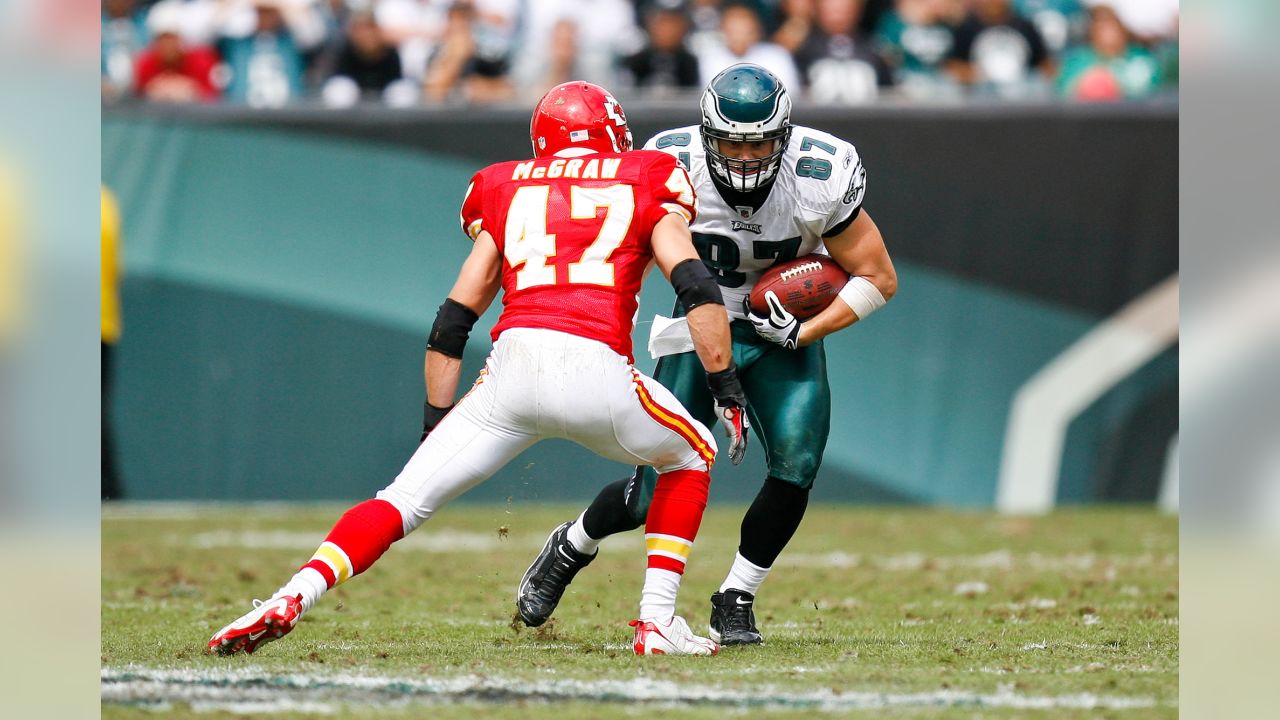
(861, 296)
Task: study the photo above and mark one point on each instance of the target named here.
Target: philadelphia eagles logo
(753, 227)
(857, 184)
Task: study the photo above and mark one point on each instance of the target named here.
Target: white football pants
(546, 384)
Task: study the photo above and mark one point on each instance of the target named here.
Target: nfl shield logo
(744, 211)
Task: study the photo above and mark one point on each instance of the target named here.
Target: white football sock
(744, 576)
(658, 599)
(580, 540)
(307, 582)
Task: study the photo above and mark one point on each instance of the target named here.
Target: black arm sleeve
(452, 328)
(694, 285)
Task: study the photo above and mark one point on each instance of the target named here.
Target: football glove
(731, 409)
(779, 326)
(431, 416)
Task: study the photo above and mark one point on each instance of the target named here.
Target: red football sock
(358, 539)
(674, 516)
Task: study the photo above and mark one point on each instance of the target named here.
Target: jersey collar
(753, 199)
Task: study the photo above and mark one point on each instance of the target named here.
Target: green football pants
(790, 403)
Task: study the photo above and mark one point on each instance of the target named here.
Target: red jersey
(197, 64)
(574, 233)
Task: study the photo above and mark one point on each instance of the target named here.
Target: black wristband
(725, 385)
(432, 415)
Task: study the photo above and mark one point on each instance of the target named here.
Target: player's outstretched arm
(860, 250)
(708, 325)
(477, 284)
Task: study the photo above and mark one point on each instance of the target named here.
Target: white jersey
(819, 187)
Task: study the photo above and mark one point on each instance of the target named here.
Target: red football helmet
(578, 114)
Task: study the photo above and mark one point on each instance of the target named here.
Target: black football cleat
(551, 572)
(733, 621)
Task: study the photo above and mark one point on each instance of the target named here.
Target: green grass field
(914, 613)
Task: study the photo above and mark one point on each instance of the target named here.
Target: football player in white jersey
(768, 192)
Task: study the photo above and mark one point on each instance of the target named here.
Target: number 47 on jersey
(528, 244)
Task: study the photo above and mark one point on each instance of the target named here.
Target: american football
(806, 285)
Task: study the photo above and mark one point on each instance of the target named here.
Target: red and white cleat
(267, 621)
(673, 637)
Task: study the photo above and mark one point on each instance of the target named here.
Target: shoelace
(679, 634)
(561, 574)
(259, 603)
(739, 617)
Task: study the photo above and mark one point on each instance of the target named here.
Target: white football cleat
(673, 637)
(267, 621)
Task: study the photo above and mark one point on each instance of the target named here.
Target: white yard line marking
(252, 689)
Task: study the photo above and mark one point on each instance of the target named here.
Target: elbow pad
(694, 285)
(452, 328)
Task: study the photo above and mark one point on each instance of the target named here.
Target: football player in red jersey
(568, 237)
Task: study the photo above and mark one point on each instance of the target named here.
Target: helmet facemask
(739, 174)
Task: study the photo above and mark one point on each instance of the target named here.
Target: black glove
(431, 416)
(731, 408)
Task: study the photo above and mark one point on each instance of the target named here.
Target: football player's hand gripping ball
(731, 408)
(779, 326)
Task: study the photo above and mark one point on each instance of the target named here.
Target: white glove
(780, 326)
(731, 409)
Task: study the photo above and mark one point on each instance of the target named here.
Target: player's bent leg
(649, 426)
(767, 527)
(572, 546)
(356, 541)
(670, 530)
(679, 379)
(619, 507)
(659, 432)
(465, 449)
(622, 505)
(462, 451)
(791, 403)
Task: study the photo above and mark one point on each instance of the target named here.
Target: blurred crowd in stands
(269, 53)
